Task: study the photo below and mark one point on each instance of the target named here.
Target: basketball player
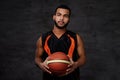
(60, 40)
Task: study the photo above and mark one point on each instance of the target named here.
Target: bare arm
(81, 52)
(38, 60)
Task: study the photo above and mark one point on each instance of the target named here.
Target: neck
(58, 31)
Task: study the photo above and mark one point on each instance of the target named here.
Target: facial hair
(65, 26)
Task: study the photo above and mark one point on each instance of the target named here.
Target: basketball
(58, 63)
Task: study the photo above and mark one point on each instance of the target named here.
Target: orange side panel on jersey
(72, 46)
(47, 49)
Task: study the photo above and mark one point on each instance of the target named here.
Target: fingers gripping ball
(58, 63)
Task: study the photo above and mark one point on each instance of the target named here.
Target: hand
(44, 66)
(71, 67)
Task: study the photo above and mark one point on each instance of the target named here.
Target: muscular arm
(39, 51)
(81, 52)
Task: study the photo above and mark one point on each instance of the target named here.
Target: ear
(53, 17)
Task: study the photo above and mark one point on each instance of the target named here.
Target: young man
(60, 40)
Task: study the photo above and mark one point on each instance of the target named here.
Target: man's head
(63, 7)
(61, 16)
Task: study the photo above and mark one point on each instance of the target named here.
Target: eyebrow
(60, 13)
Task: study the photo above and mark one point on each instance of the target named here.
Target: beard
(60, 27)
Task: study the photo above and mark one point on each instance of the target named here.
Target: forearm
(38, 61)
(80, 62)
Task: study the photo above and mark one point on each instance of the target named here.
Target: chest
(59, 44)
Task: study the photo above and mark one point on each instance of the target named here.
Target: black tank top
(62, 44)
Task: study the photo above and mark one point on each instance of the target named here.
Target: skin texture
(61, 19)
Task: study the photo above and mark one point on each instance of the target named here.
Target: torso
(60, 44)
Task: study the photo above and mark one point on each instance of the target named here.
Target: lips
(61, 22)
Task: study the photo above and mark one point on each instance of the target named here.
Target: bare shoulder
(39, 42)
(79, 39)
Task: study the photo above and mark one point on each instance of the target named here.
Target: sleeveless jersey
(67, 43)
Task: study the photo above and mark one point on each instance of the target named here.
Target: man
(60, 40)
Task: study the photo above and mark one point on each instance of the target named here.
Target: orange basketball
(58, 63)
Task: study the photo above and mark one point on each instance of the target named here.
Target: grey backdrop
(22, 22)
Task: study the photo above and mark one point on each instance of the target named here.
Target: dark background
(23, 21)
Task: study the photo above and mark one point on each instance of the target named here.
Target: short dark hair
(64, 7)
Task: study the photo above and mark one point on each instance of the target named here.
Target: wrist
(76, 65)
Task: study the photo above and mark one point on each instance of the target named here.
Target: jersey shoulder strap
(72, 34)
(44, 36)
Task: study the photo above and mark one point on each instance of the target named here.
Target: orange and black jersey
(67, 43)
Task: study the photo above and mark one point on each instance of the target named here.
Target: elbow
(84, 61)
(35, 61)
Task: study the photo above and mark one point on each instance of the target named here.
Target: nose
(61, 17)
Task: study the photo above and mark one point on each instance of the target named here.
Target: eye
(58, 14)
(66, 16)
